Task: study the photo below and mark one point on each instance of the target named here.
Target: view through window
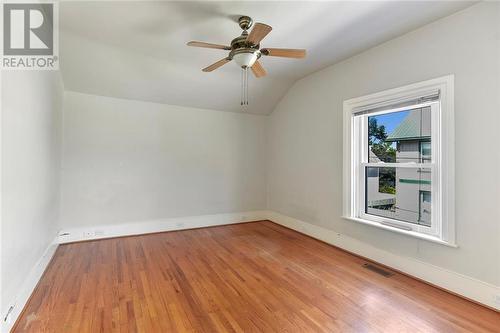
(399, 192)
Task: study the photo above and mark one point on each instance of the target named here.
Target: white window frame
(442, 229)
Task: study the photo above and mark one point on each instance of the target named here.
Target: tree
(376, 140)
(375, 132)
(385, 152)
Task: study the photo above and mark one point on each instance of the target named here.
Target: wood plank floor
(253, 277)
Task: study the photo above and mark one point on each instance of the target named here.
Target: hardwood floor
(253, 277)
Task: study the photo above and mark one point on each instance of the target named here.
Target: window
(398, 160)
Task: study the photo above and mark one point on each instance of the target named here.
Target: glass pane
(425, 151)
(399, 193)
(400, 137)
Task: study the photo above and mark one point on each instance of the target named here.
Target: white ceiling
(137, 50)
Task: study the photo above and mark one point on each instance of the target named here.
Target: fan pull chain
(247, 83)
(244, 86)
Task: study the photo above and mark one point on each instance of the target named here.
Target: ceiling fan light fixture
(245, 59)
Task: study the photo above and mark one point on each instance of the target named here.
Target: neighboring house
(412, 199)
(377, 199)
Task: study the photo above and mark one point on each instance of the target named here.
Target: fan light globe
(246, 59)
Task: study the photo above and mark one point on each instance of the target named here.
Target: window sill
(404, 232)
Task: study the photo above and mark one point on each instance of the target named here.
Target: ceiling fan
(245, 51)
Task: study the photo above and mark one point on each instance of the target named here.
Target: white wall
(128, 161)
(31, 122)
(305, 137)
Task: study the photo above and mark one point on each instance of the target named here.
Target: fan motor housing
(241, 42)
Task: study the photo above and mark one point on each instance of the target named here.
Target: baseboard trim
(33, 278)
(462, 285)
(153, 226)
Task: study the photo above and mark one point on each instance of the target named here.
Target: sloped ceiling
(137, 50)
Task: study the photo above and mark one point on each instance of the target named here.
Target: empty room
(265, 166)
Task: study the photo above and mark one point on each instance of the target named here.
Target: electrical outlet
(64, 235)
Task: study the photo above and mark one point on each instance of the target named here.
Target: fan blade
(258, 70)
(216, 65)
(259, 31)
(208, 45)
(286, 53)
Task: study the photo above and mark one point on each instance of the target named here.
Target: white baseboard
(466, 286)
(160, 225)
(27, 288)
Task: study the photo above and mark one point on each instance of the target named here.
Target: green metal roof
(409, 129)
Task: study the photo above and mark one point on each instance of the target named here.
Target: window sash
(360, 163)
(360, 204)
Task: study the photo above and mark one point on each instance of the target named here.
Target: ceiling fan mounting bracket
(245, 22)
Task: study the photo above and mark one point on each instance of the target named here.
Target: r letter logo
(29, 36)
(28, 29)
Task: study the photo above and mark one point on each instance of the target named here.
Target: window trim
(445, 156)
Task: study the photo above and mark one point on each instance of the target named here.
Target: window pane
(400, 137)
(399, 193)
(425, 151)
